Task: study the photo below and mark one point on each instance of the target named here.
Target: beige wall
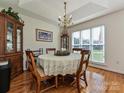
(29, 34)
(114, 36)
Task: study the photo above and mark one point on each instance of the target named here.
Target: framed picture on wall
(43, 35)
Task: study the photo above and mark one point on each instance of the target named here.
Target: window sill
(97, 64)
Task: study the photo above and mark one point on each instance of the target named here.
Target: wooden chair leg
(38, 86)
(78, 85)
(33, 84)
(62, 78)
(73, 82)
(85, 79)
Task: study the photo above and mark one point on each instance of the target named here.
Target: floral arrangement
(12, 13)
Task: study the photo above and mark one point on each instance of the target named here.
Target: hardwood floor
(99, 81)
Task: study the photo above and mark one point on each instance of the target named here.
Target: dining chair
(81, 71)
(36, 53)
(77, 50)
(38, 74)
(49, 50)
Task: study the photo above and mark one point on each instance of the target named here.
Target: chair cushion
(42, 74)
(40, 71)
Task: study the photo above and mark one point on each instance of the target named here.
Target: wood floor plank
(99, 81)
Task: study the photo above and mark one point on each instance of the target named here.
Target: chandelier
(65, 21)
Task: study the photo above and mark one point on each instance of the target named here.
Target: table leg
(56, 81)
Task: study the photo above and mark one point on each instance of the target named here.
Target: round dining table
(59, 65)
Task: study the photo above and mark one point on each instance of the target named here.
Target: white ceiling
(49, 10)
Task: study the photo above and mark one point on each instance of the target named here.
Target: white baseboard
(105, 68)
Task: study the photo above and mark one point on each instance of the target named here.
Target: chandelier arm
(65, 9)
(65, 21)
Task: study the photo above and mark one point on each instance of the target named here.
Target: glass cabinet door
(9, 37)
(65, 42)
(18, 39)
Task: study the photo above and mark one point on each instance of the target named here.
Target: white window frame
(91, 44)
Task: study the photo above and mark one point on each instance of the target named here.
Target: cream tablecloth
(54, 65)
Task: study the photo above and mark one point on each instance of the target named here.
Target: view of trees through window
(92, 39)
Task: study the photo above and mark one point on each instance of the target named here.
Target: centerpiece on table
(62, 52)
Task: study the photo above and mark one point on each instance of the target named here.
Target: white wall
(114, 36)
(29, 34)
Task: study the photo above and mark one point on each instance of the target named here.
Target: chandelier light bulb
(59, 18)
(70, 17)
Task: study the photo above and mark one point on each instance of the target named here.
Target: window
(76, 39)
(85, 39)
(93, 39)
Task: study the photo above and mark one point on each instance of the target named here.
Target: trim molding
(104, 67)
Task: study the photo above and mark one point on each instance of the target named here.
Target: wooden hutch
(11, 43)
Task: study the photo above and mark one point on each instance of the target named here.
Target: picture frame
(44, 35)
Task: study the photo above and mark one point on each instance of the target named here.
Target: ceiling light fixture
(65, 21)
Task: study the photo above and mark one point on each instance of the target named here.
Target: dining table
(59, 65)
